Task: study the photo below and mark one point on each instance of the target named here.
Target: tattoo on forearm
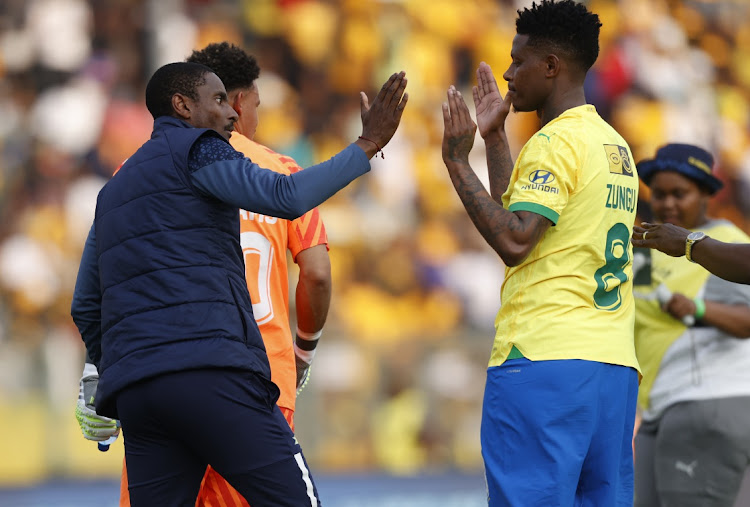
(499, 168)
(491, 219)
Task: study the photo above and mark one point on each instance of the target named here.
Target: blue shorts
(559, 433)
(176, 424)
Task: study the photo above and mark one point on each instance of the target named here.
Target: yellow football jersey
(572, 296)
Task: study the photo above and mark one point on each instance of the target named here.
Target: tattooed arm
(511, 234)
(499, 164)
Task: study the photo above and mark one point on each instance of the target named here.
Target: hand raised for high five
(458, 136)
(492, 108)
(381, 119)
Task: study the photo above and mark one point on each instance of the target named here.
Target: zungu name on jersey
(620, 197)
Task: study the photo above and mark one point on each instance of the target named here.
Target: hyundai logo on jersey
(540, 177)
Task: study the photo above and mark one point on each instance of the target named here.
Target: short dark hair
(178, 77)
(231, 63)
(566, 26)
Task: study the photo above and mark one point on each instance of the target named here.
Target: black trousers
(178, 423)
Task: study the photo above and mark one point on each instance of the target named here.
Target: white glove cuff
(309, 336)
(305, 355)
(89, 370)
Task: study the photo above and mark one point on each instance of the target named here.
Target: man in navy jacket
(162, 304)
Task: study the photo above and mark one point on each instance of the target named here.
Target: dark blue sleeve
(87, 301)
(224, 173)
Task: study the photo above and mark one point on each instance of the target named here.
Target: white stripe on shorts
(306, 478)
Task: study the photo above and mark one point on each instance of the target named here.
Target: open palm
(492, 109)
(458, 137)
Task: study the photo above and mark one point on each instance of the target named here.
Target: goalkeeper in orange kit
(265, 241)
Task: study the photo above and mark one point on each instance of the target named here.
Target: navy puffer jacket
(172, 274)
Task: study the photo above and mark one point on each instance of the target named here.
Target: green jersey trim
(547, 213)
(515, 353)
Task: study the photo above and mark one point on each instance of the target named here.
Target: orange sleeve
(308, 230)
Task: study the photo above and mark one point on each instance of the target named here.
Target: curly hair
(231, 63)
(180, 77)
(564, 25)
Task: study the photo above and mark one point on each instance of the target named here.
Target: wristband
(307, 341)
(700, 308)
(89, 370)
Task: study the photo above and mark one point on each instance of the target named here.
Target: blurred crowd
(398, 379)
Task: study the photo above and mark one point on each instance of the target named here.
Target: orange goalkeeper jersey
(265, 241)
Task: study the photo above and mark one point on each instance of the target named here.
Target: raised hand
(492, 109)
(458, 136)
(381, 119)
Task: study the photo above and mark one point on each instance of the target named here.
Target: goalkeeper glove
(304, 351)
(94, 427)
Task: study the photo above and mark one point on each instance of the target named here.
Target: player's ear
(181, 106)
(237, 102)
(552, 65)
